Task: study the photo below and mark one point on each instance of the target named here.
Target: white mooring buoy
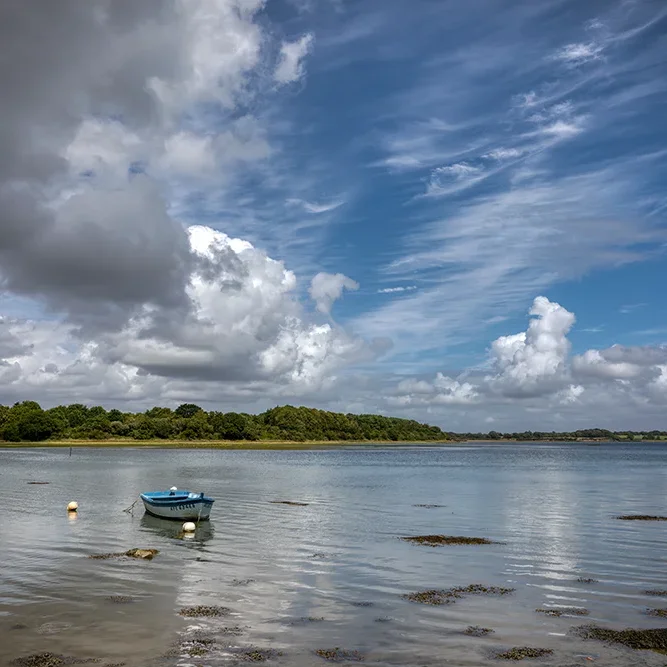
(189, 527)
(73, 506)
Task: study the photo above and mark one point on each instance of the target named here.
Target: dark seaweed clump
(641, 517)
(120, 599)
(39, 482)
(204, 610)
(145, 554)
(432, 596)
(523, 652)
(440, 540)
(449, 596)
(586, 580)
(288, 502)
(564, 611)
(656, 593)
(362, 603)
(339, 655)
(478, 631)
(428, 506)
(260, 654)
(242, 582)
(50, 660)
(657, 612)
(654, 639)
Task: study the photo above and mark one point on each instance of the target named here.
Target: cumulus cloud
(290, 67)
(326, 288)
(533, 362)
(442, 390)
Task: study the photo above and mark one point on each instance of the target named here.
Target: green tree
(187, 410)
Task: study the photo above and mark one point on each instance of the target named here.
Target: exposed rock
(147, 554)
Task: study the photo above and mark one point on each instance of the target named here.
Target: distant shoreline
(289, 444)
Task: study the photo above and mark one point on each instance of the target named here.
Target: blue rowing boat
(177, 504)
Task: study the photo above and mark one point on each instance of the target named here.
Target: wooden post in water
(70, 450)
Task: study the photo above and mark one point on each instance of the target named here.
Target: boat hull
(185, 510)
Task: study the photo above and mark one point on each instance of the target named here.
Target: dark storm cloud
(60, 62)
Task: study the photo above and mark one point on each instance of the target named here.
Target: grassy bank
(219, 444)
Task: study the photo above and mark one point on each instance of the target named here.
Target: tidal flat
(302, 562)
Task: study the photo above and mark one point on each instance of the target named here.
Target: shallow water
(277, 566)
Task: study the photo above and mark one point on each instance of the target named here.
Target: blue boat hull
(183, 506)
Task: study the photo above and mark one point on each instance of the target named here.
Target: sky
(444, 211)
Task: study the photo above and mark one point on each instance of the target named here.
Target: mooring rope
(131, 507)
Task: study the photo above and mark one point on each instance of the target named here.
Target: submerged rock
(120, 599)
(204, 611)
(654, 639)
(339, 655)
(478, 631)
(641, 517)
(524, 652)
(441, 540)
(564, 611)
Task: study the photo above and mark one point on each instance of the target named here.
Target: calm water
(336, 559)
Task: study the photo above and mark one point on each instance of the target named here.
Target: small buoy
(189, 527)
(73, 506)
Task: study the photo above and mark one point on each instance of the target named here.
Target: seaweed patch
(478, 631)
(288, 502)
(523, 652)
(586, 580)
(641, 517)
(654, 639)
(563, 611)
(442, 540)
(204, 611)
(339, 655)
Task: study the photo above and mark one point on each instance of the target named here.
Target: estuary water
(332, 573)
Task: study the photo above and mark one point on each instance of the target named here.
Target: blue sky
(455, 161)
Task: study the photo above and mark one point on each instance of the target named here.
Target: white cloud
(504, 153)
(392, 290)
(443, 390)
(316, 207)
(533, 362)
(290, 67)
(579, 53)
(325, 288)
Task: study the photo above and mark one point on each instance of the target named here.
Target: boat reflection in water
(174, 529)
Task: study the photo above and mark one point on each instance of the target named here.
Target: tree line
(27, 421)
